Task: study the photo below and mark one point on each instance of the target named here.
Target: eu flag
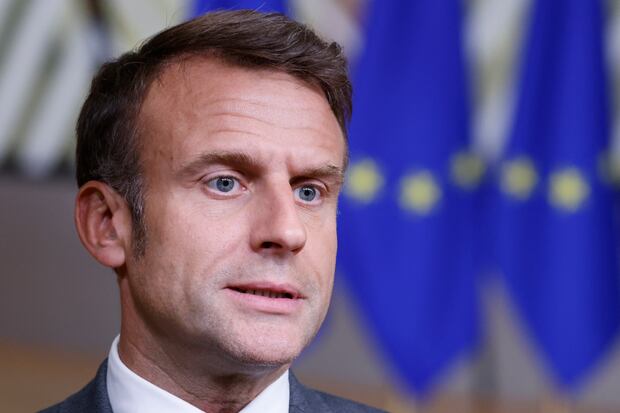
(203, 6)
(406, 222)
(557, 235)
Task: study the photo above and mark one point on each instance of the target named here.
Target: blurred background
(478, 257)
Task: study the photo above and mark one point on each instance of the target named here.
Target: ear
(103, 223)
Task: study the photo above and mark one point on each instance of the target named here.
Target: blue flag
(203, 6)
(406, 221)
(557, 235)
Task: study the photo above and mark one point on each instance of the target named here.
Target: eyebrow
(249, 164)
(237, 160)
(331, 173)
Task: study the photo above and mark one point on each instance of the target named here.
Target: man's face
(242, 171)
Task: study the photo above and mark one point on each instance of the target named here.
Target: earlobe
(103, 223)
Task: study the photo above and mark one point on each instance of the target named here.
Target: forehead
(203, 100)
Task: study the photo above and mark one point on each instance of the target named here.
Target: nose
(278, 227)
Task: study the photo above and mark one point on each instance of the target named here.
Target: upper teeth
(264, 293)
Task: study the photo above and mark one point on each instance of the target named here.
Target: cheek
(191, 239)
(185, 222)
(323, 243)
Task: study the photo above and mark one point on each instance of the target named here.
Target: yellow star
(419, 192)
(467, 169)
(568, 189)
(363, 181)
(518, 178)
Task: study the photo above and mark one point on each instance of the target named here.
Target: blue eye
(223, 183)
(307, 193)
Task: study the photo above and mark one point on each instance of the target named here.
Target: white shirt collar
(130, 393)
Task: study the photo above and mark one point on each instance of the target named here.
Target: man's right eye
(223, 184)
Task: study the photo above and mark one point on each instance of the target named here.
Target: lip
(266, 304)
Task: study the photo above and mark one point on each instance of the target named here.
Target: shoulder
(304, 399)
(338, 404)
(92, 398)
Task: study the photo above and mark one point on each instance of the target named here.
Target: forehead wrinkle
(225, 130)
(248, 131)
(242, 116)
(264, 112)
(310, 128)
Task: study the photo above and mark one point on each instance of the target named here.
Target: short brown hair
(108, 148)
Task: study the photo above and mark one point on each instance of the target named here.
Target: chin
(265, 350)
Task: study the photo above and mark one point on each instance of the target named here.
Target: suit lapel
(92, 398)
(304, 400)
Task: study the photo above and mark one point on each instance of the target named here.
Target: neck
(202, 381)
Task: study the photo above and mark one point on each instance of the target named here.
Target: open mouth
(264, 293)
(267, 298)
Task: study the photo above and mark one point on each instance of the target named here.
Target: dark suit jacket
(94, 399)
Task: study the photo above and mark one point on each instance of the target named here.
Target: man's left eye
(307, 193)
